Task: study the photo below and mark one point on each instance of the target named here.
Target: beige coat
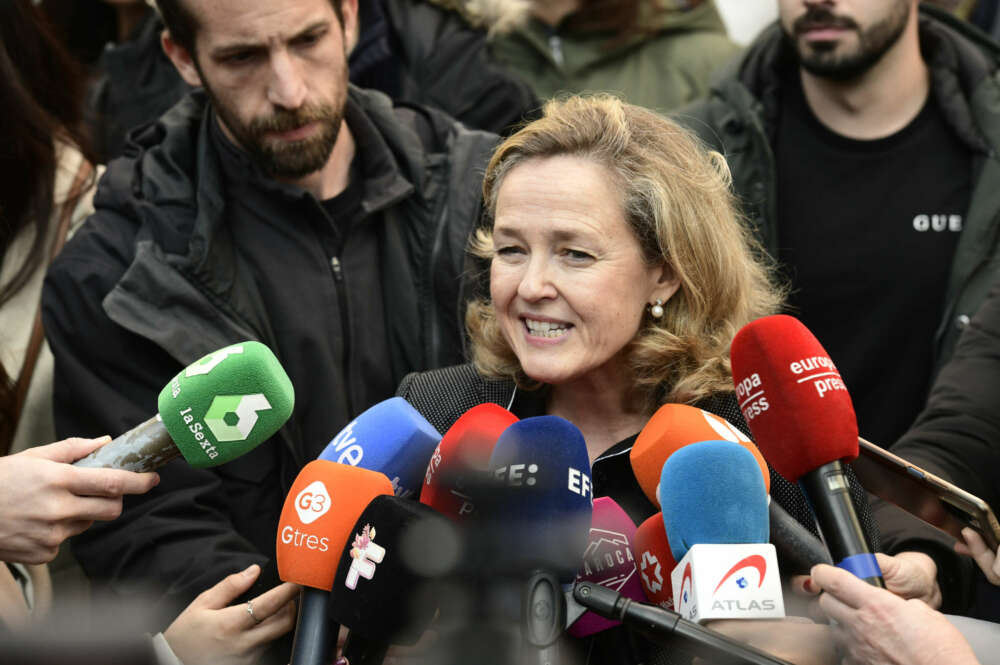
(32, 593)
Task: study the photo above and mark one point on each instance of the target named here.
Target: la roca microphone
(541, 509)
(213, 411)
(461, 457)
(801, 415)
(319, 512)
(608, 561)
(660, 626)
(716, 522)
(674, 426)
(391, 437)
(655, 561)
(385, 588)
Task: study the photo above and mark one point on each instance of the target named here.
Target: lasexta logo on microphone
(232, 417)
(211, 361)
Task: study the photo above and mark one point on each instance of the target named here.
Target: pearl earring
(656, 309)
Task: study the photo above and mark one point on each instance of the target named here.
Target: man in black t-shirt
(862, 138)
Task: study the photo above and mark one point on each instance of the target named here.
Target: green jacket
(739, 119)
(666, 65)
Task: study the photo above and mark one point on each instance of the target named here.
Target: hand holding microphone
(876, 627)
(44, 499)
(210, 631)
(213, 411)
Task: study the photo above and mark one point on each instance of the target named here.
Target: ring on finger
(250, 612)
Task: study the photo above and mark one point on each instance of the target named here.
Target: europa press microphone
(385, 590)
(542, 510)
(801, 415)
(716, 523)
(316, 521)
(461, 457)
(674, 426)
(390, 437)
(213, 411)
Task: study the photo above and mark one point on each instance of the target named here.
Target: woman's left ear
(667, 284)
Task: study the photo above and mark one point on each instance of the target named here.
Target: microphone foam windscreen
(390, 437)
(655, 561)
(608, 561)
(226, 404)
(712, 493)
(316, 520)
(544, 499)
(461, 456)
(674, 426)
(792, 396)
(384, 587)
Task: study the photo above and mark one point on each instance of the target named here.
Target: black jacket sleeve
(177, 540)
(957, 437)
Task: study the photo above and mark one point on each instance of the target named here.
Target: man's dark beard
(820, 60)
(293, 159)
(290, 159)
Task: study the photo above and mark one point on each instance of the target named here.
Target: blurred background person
(653, 54)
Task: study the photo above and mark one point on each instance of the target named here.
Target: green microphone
(213, 411)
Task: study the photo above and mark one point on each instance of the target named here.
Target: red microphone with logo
(461, 458)
(801, 415)
(317, 519)
(655, 561)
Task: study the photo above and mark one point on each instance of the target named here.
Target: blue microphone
(715, 514)
(390, 437)
(541, 511)
(712, 492)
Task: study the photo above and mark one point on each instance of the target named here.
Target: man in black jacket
(279, 204)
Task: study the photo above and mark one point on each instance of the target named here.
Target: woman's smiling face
(568, 280)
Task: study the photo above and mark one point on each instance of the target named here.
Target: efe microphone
(215, 410)
(800, 413)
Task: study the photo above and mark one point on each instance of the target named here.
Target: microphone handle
(798, 550)
(145, 447)
(828, 491)
(543, 617)
(659, 625)
(315, 634)
(359, 650)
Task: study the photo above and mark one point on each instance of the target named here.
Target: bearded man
(276, 203)
(863, 139)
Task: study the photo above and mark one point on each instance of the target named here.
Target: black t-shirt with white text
(867, 232)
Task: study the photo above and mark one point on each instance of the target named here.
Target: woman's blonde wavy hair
(677, 200)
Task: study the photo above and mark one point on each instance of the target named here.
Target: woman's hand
(876, 627)
(44, 499)
(975, 547)
(210, 632)
(909, 575)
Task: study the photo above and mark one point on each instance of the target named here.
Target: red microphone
(801, 416)
(655, 561)
(463, 452)
(316, 521)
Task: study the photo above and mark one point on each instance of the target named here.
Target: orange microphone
(316, 521)
(674, 426)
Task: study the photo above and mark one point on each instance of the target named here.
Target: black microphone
(660, 625)
(798, 549)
